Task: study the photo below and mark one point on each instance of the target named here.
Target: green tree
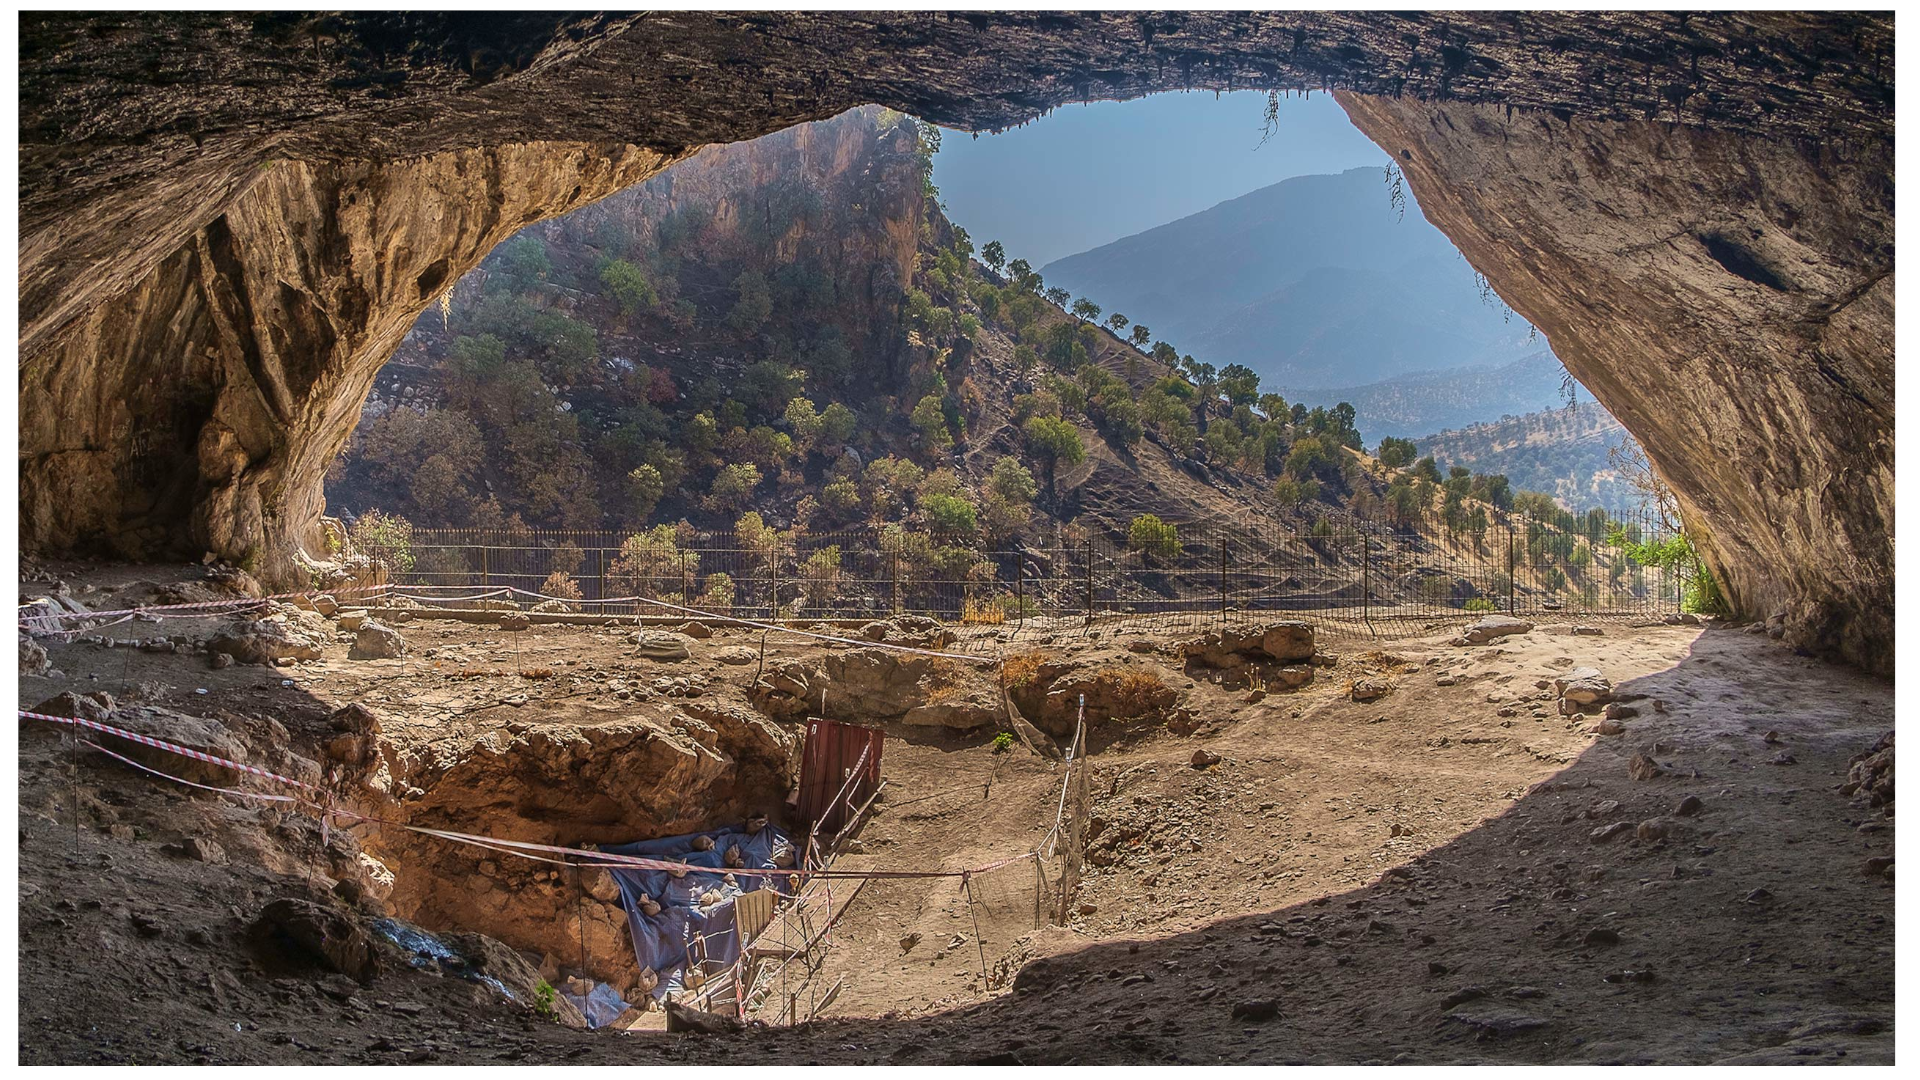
(646, 487)
(1086, 310)
(1240, 384)
(1141, 334)
(733, 485)
(753, 303)
(1058, 297)
(1117, 322)
(994, 255)
(628, 286)
(1054, 442)
(1397, 453)
(804, 422)
(837, 425)
(930, 420)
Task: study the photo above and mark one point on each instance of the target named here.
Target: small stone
(1204, 759)
(1642, 767)
(1609, 726)
(1586, 631)
(1607, 832)
(1258, 1009)
(1601, 935)
(1462, 996)
(1617, 711)
(698, 630)
(220, 660)
(120, 832)
(1759, 897)
(1878, 866)
(1653, 829)
(1689, 806)
(1436, 969)
(1365, 690)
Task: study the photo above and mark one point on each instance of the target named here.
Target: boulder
(353, 618)
(33, 657)
(192, 732)
(689, 1019)
(326, 605)
(736, 655)
(514, 621)
(1492, 628)
(662, 645)
(699, 631)
(1288, 641)
(548, 607)
(377, 641)
(1370, 689)
(303, 932)
(287, 634)
(974, 710)
(97, 706)
(1583, 686)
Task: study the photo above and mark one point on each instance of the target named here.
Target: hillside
(1427, 401)
(1562, 452)
(791, 327)
(1314, 282)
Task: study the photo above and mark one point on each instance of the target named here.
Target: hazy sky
(1084, 175)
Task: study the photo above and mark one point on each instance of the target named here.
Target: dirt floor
(1428, 877)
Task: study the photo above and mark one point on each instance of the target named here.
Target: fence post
(602, 552)
(773, 581)
(686, 581)
(1020, 586)
(1223, 582)
(1366, 575)
(1089, 583)
(485, 572)
(893, 572)
(1511, 567)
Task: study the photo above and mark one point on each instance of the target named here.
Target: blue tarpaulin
(661, 941)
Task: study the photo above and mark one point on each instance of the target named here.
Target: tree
(1058, 297)
(1397, 453)
(1426, 469)
(804, 422)
(754, 303)
(1055, 442)
(733, 485)
(1140, 335)
(1086, 310)
(646, 486)
(995, 256)
(930, 420)
(1291, 492)
(1307, 458)
(837, 425)
(1012, 481)
(628, 286)
(1117, 322)
(1151, 536)
(1240, 384)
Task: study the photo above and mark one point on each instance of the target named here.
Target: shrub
(734, 485)
(718, 594)
(1150, 535)
(948, 513)
(1003, 742)
(387, 539)
(1481, 603)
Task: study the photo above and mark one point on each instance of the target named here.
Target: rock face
(1492, 628)
(1696, 208)
(1751, 280)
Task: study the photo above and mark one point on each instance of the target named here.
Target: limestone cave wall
(228, 220)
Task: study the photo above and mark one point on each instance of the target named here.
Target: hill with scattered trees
(1410, 406)
(1563, 452)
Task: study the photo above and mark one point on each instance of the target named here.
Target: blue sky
(1085, 175)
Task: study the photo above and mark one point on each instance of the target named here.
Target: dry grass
(1021, 668)
(991, 612)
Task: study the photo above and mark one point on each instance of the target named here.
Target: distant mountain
(1429, 401)
(1562, 452)
(1317, 281)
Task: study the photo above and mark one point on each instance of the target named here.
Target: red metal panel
(831, 751)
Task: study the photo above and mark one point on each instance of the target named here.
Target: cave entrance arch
(1696, 210)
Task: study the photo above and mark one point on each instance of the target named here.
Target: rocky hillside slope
(1562, 452)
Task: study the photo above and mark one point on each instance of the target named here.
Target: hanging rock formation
(228, 221)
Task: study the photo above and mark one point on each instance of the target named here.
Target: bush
(1481, 603)
(1152, 536)
(948, 514)
(734, 485)
(386, 539)
(1003, 742)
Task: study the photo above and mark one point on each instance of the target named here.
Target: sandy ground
(1414, 879)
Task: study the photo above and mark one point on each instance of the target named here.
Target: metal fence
(1202, 575)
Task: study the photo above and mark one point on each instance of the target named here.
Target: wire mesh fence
(1193, 576)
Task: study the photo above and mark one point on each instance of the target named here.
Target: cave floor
(1416, 879)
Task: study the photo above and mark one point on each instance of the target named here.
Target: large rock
(33, 657)
(1583, 686)
(377, 641)
(192, 732)
(300, 932)
(289, 635)
(1492, 628)
(981, 708)
(662, 645)
(1287, 641)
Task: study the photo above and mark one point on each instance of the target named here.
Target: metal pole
(1089, 583)
(485, 572)
(1366, 577)
(1223, 582)
(1511, 566)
